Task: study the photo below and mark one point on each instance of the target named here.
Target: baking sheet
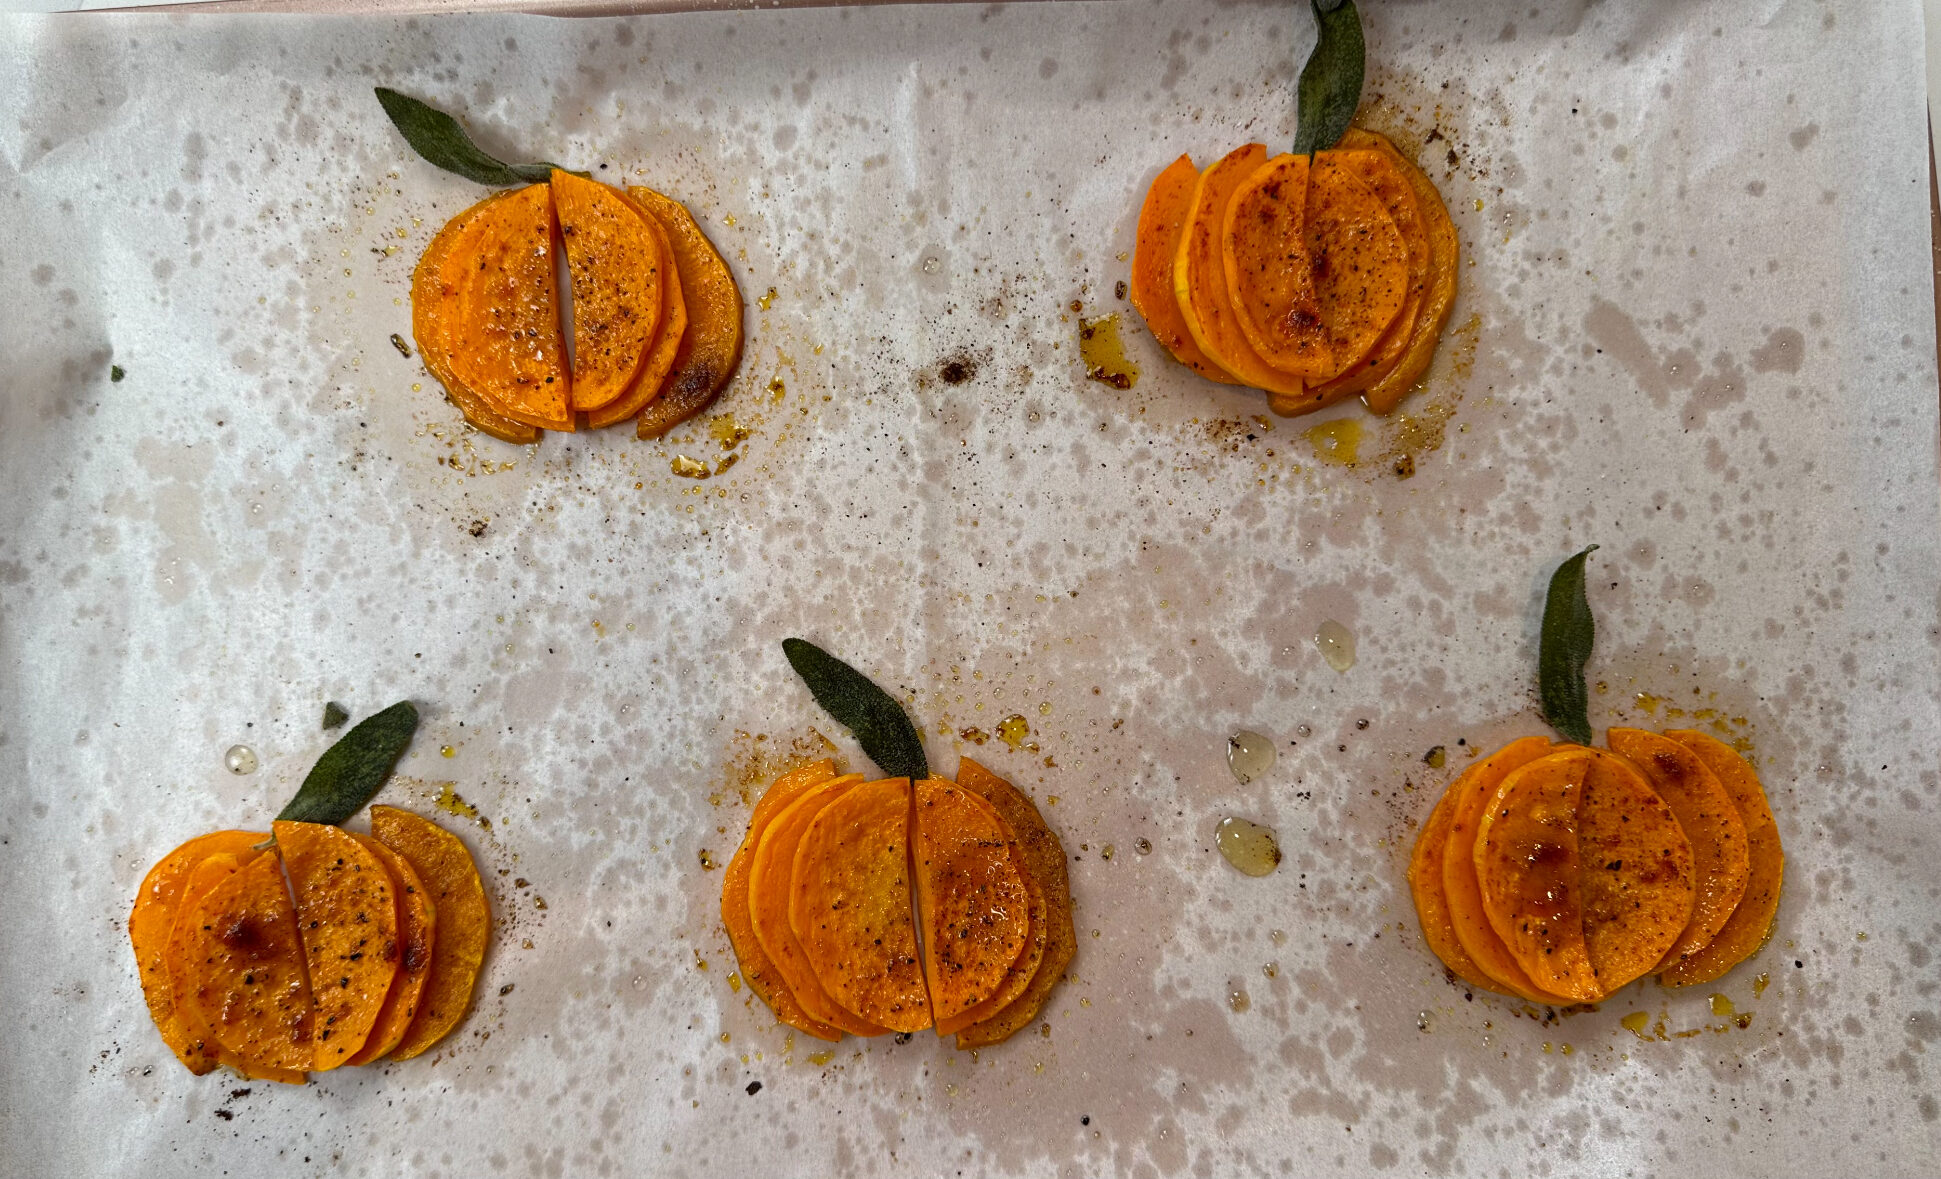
(1695, 329)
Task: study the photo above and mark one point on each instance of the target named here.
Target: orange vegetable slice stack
(331, 949)
(876, 907)
(1309, 277)
(1561, 873)
(492, 327)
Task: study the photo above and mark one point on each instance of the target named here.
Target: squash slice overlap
(849, 905)
(710, 348)
(1432, 903)
(757, 969)
(1378, 170)
(1359, 260)
(347, 915)
(417, 935)
(1162, 220)
(1752, 921)
(1527, 867)
(617, 266)
(1439, 293)
(1264, 253)
(238, 970)
(1636, 874)
(447, 871)
(1720, 865)
(437, 319)
(971, 900)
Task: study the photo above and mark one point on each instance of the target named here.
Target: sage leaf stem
(438, 137)
(1330, 88)
(1563, 648)
(879, 722)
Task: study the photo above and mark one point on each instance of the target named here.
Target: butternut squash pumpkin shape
(1474, 930)
(1636, 874)
(437, 319)
(347, 914)
(769, 881)
(1751, 922)
(1200, 277)
(1041, 858)
(1162, 221)
(445, 868)
(417, 934)
(1720, 864)
(971, 901)
(1264, 252)
(151, 922)
(710, 349)
(849, 905)
(1527, 867)
(616, 266)
(240, 971)
(757, 969)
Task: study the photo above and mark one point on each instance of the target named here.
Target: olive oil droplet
(1722, 1006)
(1337, 644)
(1104, 355)
(1336, 442)
(1249, 847)
(1249, 755)
(1238, 1001)
(1014, 729)
(241, 759)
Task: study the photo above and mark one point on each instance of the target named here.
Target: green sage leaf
(879, 722)
(334, 715)
(1330, 89)
(437, 137)
(1563, 648)
(351, 771)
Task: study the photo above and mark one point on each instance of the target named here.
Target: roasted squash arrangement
(1310, 277)
(651, 311)
(310, 947)
(899, 906)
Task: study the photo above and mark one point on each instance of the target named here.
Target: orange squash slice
(1752, 921)
(417, 935)
(1636, 875)
(1526, 871)
(1162, 220)
(450, 876)
(971, 899)
(240, 971)
(617, 268)
(710, 348)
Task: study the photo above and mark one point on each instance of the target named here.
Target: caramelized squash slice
(238, 970)
(710, 348)
(501, 337)
(1439, 293)
(1720, 862)
(417, 935)
(437, 310)
(667, 345)
(152, 921)
(757, 969)
(1379, 171)
(1041, 858)
(1471, 922)
(616, 265)
(1200, 277)
(1360, 261)
(1527, 867)
(849, 905)
(1162, 221)
(347, 914)
(447, 871)
(971, 900)
(1752, 921)
(1636, 875)
(1265, 255)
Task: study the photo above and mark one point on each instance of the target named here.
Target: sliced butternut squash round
(710, 348)
(971, 901)
(1041, 858)
(446, 869)
(1264, 252)
(1471, 922)
(1635, 875)
(1720, 863)
(1200, 277)
(417, 935)
(347, 913)
(151, 922)
(437, 319)
(1360, 262)
(769, 879)
(1751, 922)
(849, 905)
(504, 336)
(1379, 171)
(1439, 292)
(1432, 903)
(757, 969)
(616, 266)
(240, 972)
(1527, 872)
(667, 345)
(1162, 220)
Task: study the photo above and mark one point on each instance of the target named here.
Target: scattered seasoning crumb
(754, 1087)
(1436, 758)
(707, 860)
(116, 373)
(334, 715)
(225, 1115)
(403, 348)
(478, 528)
(506, 989)
(1085, 1120)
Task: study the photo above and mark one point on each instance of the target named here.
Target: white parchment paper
(1695, 329)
